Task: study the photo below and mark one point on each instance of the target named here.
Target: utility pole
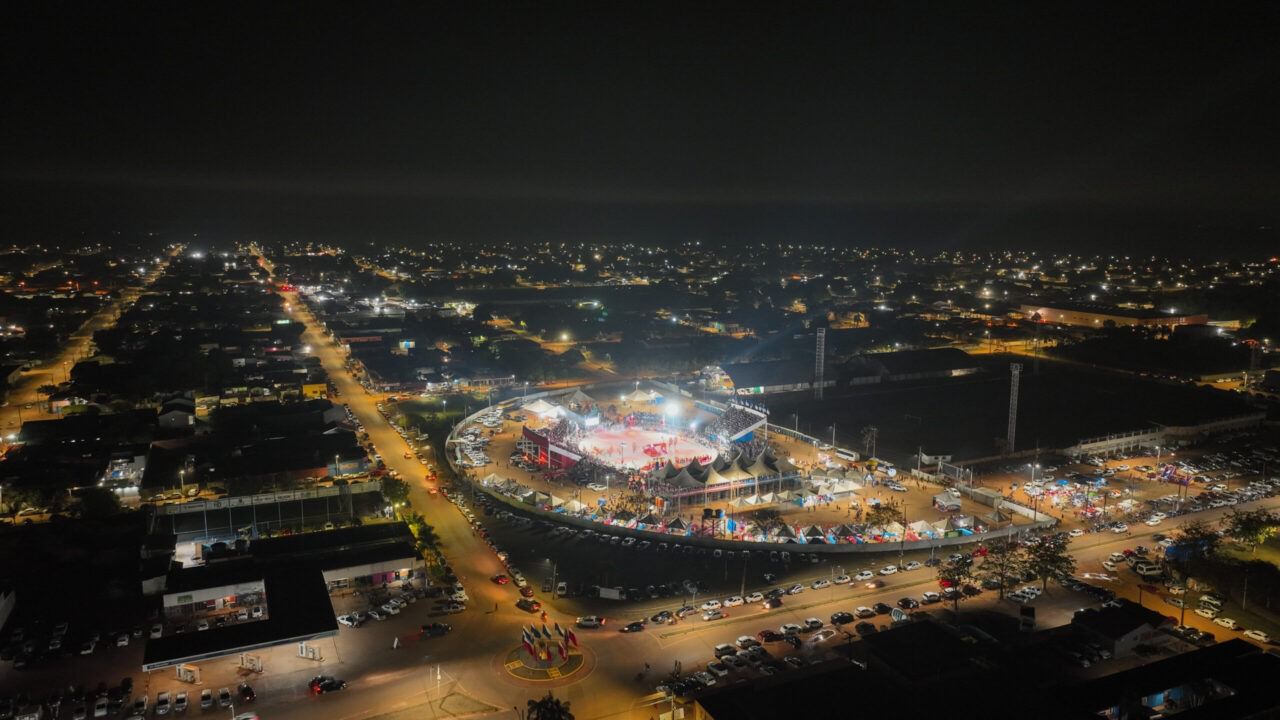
(1015, 370)
(819, 364)
(869, 434)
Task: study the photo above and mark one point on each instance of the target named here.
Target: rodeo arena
(655, 460)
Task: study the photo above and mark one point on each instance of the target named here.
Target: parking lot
(1142, 487)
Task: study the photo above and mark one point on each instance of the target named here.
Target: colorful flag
(564, 652)
(527, 642)
(571, 637)
(545, 632)
(558, 630)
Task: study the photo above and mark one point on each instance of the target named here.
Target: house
(1121, 628)
(177, 413)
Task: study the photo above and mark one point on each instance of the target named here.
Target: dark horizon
(1144, 130)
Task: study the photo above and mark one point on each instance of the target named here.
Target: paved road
(55, 370)
(471, 654)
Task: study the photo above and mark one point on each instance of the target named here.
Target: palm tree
(548, 708)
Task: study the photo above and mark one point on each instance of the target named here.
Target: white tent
(760, 468)
(491, 480)
(579, 398)
(715, 478)
(638, 396)
(556, 502)
(734, 472)
(785, 466)
(543, 408)
(574, 506)
(843, 487)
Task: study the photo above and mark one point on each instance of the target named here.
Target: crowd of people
(732, 421)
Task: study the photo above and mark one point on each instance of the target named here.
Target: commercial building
(287, 579)
(1100, 316)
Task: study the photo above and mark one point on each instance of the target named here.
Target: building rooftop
(1116, 622)
(298, 609)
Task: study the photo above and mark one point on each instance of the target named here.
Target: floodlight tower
(1015, 372)
(819, 363)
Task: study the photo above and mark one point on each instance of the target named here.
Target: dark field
(967, 416)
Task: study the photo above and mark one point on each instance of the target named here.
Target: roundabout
(546, 668)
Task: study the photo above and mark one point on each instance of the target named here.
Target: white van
(1146, 569)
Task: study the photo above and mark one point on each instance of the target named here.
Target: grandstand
(737, 423)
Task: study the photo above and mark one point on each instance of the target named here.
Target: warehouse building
(1097, 315)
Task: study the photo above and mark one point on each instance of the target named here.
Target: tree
(955, 574)
(96, 502)
(1005, 559)
(394, 490)
(1251, 528)
(886, 512)
(1049, 558)
(47, 390)
(549, 708)
(1199, 535)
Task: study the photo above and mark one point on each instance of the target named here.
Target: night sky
(1147, 127)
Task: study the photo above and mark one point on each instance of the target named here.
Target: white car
(162, 703)
(863, 575)
(156, 631)
(1227, 623)
(888, 569)
(1120, 528)
(734, 601)
(1152, 522)
(755, 597)
(1110, 566)
(1258, 635)
(912, 565)
(390, 609)
(711, 605)
(348, 620)
(1076, 532)
(1207, 613)
(842, 580)
(713, 615)
(821, 583)
(590, 621)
